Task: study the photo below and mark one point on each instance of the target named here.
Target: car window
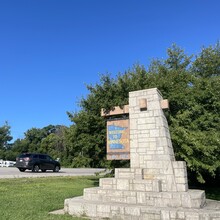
(24, 155)
(35, 156)
(49, 158)
(43, 157)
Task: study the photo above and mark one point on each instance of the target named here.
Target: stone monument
(155, 186)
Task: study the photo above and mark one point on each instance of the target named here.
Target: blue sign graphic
(114, 136)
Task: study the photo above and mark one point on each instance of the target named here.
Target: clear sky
(49, 49)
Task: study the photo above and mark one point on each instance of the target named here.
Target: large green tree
(192, 87)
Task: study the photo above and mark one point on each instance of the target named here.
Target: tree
(205, 112)
(195, 124)
(20, 145)
(88, 137)
(5, 136)
(207, 63)
(49, 139)
(53, 143)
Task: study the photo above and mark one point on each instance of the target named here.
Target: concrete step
(78, 206)
(131, 184)
(190, 199)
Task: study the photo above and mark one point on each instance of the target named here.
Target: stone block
(124, 173)
(171, 185)
(182, 187)
(154, 133)
(175, 203)
(180, 214)
(138, 187)
(141, 198)
(191, 216)
(106, 182)
(142, 121)
(157, 186)
(76, 206)
(132, 102)
(164, 104)
(186, 201)
(133, 125)
(179, 164)
(143, 104)
(103, 208)
(180, 172)
(151, 216)
(122, 184)
(154, 105)
(150, 202)
(204, 216)
(167, 195)
(181, 180)
(132, 200)
(134, 211)
(90, 210)
(162, 202)
(165, 214)
(173, 215)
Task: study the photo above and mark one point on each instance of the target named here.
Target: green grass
(34, 198)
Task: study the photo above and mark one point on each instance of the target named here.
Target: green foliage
(207, 63)
(50, 139)
(195, 127)
(88, 139)
(177, 59)
(5, 136)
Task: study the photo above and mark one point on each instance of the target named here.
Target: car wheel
(43, 170)
(21, 169)
(56, 169)
(36, 168)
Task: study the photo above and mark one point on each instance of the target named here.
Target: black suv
(36, 162)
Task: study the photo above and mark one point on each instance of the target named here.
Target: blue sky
(50, 49)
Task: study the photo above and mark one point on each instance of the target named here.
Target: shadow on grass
(95, 181)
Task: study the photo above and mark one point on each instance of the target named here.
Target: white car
(7, 163)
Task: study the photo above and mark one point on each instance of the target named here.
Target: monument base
(81, 207)
(130, 196)
(155, 187)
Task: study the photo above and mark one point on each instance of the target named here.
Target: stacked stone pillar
(150, 143)
(155, 186)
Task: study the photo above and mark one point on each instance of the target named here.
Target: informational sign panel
(118, 146)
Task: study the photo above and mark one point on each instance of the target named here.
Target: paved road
(13, 172)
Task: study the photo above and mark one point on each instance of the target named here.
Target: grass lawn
(34, 198)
